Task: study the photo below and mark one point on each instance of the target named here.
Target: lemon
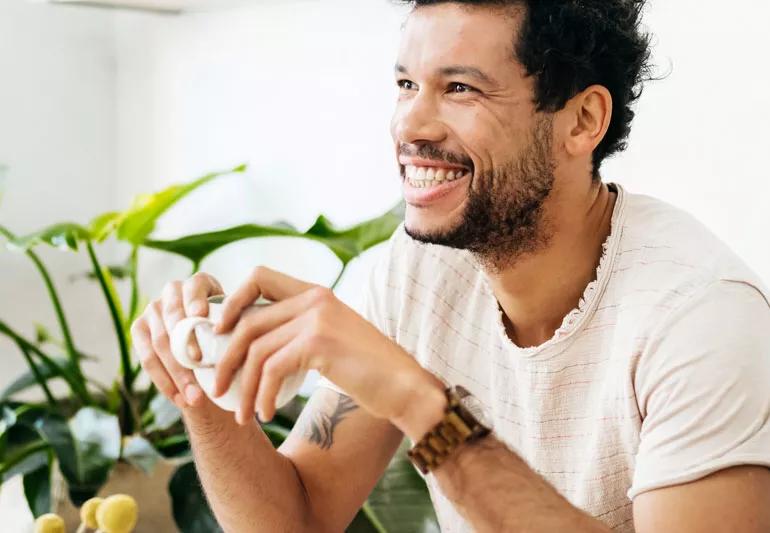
(117, 514)
(88, 512)
(49, 523)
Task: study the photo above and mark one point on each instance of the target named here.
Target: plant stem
(77, 387)
(56, 301)
(339, 276)
(38, 377)
(133, 265)
(125, 357)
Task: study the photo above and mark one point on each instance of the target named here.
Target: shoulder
(667, 259)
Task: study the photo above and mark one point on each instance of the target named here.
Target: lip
(418, 162)
(425, 197)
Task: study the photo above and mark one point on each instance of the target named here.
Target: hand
(305, 328)
(150, 334)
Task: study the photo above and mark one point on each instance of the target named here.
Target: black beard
(504, 218)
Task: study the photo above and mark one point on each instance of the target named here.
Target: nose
(417, 121)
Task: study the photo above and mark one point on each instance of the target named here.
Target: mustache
(434, 153)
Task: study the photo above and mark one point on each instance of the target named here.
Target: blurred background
(98, 105)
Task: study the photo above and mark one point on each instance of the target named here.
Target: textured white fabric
(661, 375)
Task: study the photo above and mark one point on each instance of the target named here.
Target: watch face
(474, 406)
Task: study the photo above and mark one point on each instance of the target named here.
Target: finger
(196, 291)
(255, 323)
(259, 351)
(194, 300)
(282, 364)
(183, 379)
(173, 311)
(140, 335)
(273, 285)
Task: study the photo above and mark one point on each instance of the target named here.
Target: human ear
(589, 112)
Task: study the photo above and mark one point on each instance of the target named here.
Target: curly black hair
(569, 45)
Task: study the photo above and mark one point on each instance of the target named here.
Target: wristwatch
(464, 421)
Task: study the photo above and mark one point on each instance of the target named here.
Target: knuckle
(259, 272)
(160, 341)
(170, 289)
(321, 295)
(150, 362)
(270, 368)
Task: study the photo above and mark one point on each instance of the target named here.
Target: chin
(425, 226)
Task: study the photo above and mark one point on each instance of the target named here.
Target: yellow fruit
(117, 514)
(49, 523)
(88, 512)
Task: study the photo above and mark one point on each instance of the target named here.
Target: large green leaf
(21, 449)
(87, 447)
(133, 225)
(400, 502)
(189, 505)
(64, 236)
(37, 490)
(345, 244)
(136, 223)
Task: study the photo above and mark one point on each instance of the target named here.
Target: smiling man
(563, 354)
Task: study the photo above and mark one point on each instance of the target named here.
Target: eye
(459, 88)
(407, 85)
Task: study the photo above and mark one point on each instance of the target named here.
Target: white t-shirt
(660, 376)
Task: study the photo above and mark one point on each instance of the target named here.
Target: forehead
(449, 33)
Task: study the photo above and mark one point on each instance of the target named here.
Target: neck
(539, 289)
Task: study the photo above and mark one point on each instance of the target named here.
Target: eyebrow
(457, 70)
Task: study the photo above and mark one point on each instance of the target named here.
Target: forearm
(495, 490)
(249, 485)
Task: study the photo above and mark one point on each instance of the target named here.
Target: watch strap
(457, 427)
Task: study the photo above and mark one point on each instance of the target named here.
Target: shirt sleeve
(703, 388)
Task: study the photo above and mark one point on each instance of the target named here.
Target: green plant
(96, 425)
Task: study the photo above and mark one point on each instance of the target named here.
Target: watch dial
(474, 406)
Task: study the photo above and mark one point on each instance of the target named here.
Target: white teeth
(422, 177)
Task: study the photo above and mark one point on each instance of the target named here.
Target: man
(620, 351)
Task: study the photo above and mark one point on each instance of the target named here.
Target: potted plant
(123, 438)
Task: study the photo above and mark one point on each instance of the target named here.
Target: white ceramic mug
(213, 347)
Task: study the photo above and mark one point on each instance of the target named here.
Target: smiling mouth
(422, 177)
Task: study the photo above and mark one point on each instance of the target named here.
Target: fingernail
(192, 392)
(193, 354)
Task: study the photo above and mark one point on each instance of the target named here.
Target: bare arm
(321, 475)
(316, 481)
(495, 490)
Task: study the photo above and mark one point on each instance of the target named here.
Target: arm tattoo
(319, 429)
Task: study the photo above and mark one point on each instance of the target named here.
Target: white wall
(300, 90)
(57, 137)
(700, 139)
